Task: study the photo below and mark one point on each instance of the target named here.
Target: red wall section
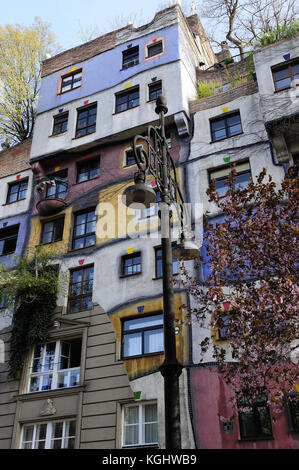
(210, 398)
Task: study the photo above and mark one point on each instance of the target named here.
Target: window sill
(55, 392)
(68, 91)
(161, 277)
(129, 275)
(79, 249)
(225, 138)
(58, 134)
(245, 439)
(50, 243)
(129, 66)
(6, 254)
(128, 109)
(160, 353)
(89, 179)
(14, 202)
(288, 88)
(85, 135)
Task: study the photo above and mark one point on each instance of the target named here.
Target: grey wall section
(8, 391)
(94, 403)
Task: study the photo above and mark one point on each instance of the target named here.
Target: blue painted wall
(10, 260)
(104, 70)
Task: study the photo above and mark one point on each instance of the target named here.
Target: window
(285, 74)
(130, 57)
(84, 229)
(17, 191)
(223, 327)
(60, 123)
(154, 49)
(8, 239)
(126, 100)
(59, 187)
(293, 411)
(158, 264)
(52, 230)
(53, 435)
(220, 176)
(71, 81)
(88, 170)
(140, 424)
(224, 127)
(86, 120)
(81, 284)
(154, 90)
(143, 336)
(255, 423)
(129, 158)
(55, 365)
(131, 264)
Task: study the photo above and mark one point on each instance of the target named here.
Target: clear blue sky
(68, 16)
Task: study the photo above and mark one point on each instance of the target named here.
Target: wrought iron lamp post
(154, 158)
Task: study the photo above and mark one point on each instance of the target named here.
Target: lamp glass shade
(139, 196)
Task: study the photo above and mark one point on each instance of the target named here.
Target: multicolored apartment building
(103, 388)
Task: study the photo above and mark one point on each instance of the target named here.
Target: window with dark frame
(127, 100)
(71, 81)
(86, 120)
(255, 423)
(131, 264)
(8, 240)
(81, 285)
(130, 57)
(154, 90)
(221, 175)
(17, 191)
(60, 123)
(158, 264)
(226, 126)
(142, 336)
(283, 75)
(129, 157)
(154, 49)
(87, 170)
(293, 411)
(84, 233)
(59, 188)
(52, 230)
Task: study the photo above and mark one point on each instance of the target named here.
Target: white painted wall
(7, 210)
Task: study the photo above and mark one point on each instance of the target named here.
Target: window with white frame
(55, 365)
(51, 435)
(140, 424)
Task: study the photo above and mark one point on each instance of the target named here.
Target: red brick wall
(15, 159)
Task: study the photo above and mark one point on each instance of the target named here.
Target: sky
(69, 18)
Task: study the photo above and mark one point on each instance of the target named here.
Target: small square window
(285, 74)
(130, 57)
(71, 81)
(60, 123)
(154, 90)
(129, 158)
(88, 170)
(221, 175)
(227, 126)
(8, 239)
(142, 336)
(140, 424)
(126, 100)
(52, 230)
(154, 49)
(86, 120)
(17, 191)
(131, 264)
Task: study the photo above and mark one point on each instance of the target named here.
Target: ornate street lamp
(154, 158)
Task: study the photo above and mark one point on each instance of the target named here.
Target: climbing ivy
(31, 290)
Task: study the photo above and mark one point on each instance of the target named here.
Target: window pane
(280, 74)
(131, 435)
(243, 179)
(153, 341)
(131, 415)
(150, 433)
(143, 322)
(217, 135)
(233, 120)
(282, 84)
(132, 344)
(46, 382)
(28, 433)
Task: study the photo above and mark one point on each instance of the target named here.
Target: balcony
(52, 195)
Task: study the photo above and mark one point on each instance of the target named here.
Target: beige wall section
(8, 390)
(104, 382)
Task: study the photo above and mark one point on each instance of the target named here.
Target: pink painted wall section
(111, 168)
(210, 398)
